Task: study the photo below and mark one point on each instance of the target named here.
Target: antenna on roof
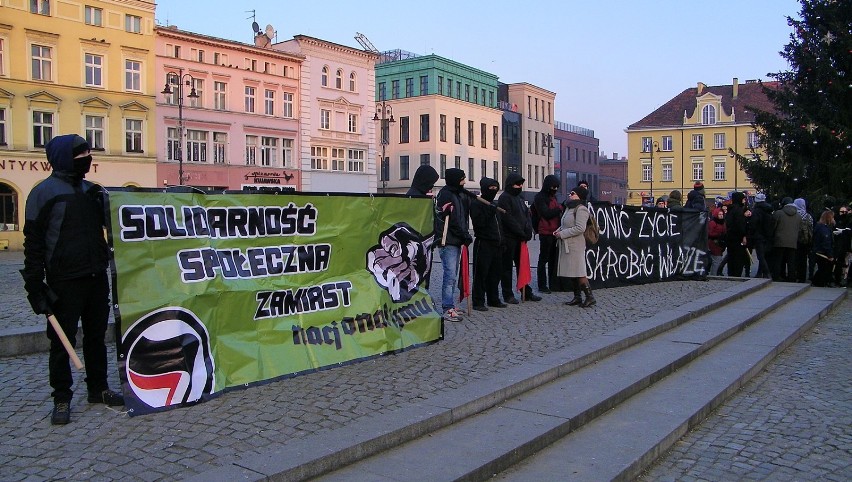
(365, 43)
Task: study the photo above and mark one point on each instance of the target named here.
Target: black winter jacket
(517, 223)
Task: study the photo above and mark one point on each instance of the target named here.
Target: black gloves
(39, 295)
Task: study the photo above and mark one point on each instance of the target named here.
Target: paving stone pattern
(793, 421)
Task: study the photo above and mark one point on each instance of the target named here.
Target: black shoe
(107, 397)
(480, 308)
(512, 301)
(545, 291)
(497, 305)
(61, 413)
(533, 297)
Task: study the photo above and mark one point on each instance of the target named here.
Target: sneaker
(452, 315)
(61, 413)
(107, 397)
(480, 308)
(512, 301)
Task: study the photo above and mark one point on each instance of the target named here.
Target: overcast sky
(610, 62)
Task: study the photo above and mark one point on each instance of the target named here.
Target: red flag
(524, 272)
(464, 276)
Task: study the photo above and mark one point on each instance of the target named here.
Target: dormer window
(708, 115)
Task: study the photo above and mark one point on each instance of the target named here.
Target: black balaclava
(424, 178)
(484, 184)
(511, 180)
(60, 154)
(453, 177)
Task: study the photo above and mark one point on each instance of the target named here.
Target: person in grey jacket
(787, 221)
(572, 247)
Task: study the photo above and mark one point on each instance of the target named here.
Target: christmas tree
(807, 139)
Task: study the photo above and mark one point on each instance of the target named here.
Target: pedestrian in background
(804, 243)
(572, 247)
(735, 225)
(824, 249)
(716, 238)
(787, 224)
(761, 230)
(64, 245)
(842, 245)
(675, 199)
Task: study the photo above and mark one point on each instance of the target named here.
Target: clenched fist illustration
(401, 261)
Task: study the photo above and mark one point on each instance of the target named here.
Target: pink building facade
(238, 126)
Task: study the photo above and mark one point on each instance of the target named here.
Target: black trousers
(823, 274)
(785, 264)
(487, 266)
(86, 300)
(511, 264)
(547, 258)
(736, 259)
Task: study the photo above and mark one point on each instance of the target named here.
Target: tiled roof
(749, 94)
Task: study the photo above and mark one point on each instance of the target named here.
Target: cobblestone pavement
(793, 421)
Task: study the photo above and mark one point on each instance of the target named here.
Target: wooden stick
(64, 339)
(499, 209)
(446, 227)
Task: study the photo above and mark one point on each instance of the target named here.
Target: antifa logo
(168, 360)
(401, 261)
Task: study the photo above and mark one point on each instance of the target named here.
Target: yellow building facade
(692, 138)
(74, 67)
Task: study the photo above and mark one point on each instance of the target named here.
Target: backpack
(806, 230)
(592, 232)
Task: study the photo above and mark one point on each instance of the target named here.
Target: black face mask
(489, 194)
(82, 165)
(514, 190)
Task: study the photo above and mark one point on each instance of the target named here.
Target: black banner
(645, 245)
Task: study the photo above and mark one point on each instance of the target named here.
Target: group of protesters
(787, 241)
(501, 228)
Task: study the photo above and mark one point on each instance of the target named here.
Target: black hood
(512, 179)
(454, 176)
(424, 178)
(550, 181)
(484, 184)
(60, 152)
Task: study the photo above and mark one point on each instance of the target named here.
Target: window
(470, 132)
(470, 168)
(719, 140)
(697, 142)
(646, 144)
(442, 169)
(483, 135)
(476, 97)
(196, 146)
(458, 130)
(352, 83)
(176, 52)
(2, 56)
(40, 6)
(467, 92)
(268, 151)
(457, 164)
(338, 157)
(382, 91)
(394, 89)
(719, 170)
(93, 16)
(251, 150)
(536, 110)
(133, 24)
(483, 168)
(353, 123)
(324, 76)
(495, 168)
(403, 130)
(288, 105)
(198, 85)
(42, 64)
(338, 79)
(440, 85)
(667, 143)
(3, 127)
(409, 87)
(219, 89)
(287, 152)
(443, 128)
(94, 70)
(424, 127)
(708, 115)
(201, 56)
(403, 168)
(133, 135)
(355, 158)
(133, 75)
(325, 119)
(535, 143)
(95, 132)
(172, 144)
(220, 141)
(269, 102)
(450, 87)
(535, 177)
(491, 98)
(424, 85)
(42, 128)
(424, 159)
(250, 92)
(495, 141)
(529, 141)
(697, 171)
(667, 171)
(646, 171)
(385, 174)
(751, 139)
(319, 158)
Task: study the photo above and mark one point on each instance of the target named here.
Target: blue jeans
(450, 262)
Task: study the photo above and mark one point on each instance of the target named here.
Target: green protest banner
(219, 291)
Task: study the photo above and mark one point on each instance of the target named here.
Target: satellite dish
(255, 27)
(270, 32)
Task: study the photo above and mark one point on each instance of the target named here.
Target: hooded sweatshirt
(424, 180)
(486, 223)
(675, 199)
(787, 222)
(64, 219)
(547, 208)
(517, 223)
(458, 231)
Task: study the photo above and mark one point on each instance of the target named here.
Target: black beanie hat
(79, 146)
(581, 192)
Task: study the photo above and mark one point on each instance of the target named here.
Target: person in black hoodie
(453, 204)
(761, 230)
(488, 248)
(64, 245)
(423, 182)
(735, 235)
(517, 226)
(548, 213)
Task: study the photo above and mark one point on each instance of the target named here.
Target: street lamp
(655, 147)
(547, 143)
(180, 79)
(384, 113)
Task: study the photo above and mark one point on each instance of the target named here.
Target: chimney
(615, 155)
(701, 87)
(736, 87)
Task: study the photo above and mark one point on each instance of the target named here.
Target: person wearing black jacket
(453, 205)
(64, 245)
(517, 226)
(548, 212)
(761, 231)
(423, 181)
(487, 248)
(735, 235)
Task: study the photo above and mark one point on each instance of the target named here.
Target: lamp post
(180, 79)
(384, 113)
(655, 146)
(547, 143)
